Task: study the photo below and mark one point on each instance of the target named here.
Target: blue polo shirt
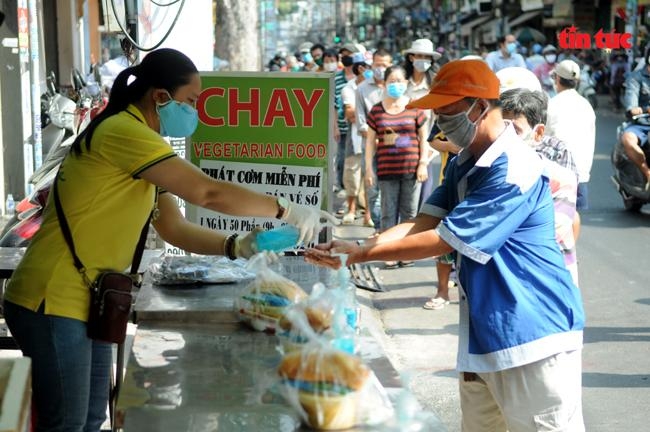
(518, 301)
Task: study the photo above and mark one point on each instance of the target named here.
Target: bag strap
(67, 234)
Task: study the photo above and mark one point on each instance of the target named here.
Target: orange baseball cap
(459, 79)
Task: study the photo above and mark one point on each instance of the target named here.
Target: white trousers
(541, 396)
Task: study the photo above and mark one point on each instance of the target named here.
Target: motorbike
(587, 86)
(627, 178)
(65, 119)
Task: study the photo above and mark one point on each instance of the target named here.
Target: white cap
(568, 69)
(517, 77)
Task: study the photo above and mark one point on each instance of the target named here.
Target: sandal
(406, 263)
(369, 224)
(436, 303)
(348, 219)
(391, 264)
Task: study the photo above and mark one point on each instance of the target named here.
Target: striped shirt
(339, 82)
(398, 148)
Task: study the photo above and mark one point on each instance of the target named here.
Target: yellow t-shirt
(106, 206)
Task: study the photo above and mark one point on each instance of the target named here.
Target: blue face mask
(396, 89)
(177, 119)
(511, 47)
(367, 74)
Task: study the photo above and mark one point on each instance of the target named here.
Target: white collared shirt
(572, 120)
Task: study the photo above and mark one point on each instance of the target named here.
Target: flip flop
(391, 264)
(436, 303)
(348, 219)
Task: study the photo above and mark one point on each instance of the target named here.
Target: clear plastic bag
(265, 299)
(193, 269)
(329, 314)
(331, 389)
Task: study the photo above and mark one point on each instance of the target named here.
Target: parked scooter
(627, 178)
(587, 86)
(67, 119)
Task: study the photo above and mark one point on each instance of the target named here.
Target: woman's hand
(307, 220)
(369, 177)
(422, 172)
(246, 246)
(329, 254)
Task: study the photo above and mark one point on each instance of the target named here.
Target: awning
(466, 29)
(527, 16)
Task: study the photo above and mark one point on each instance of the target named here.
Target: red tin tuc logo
(571, 38)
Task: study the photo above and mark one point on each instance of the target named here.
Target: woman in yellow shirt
(107, 187)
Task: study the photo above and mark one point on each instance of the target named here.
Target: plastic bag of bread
(308, 319)
(332, 389)
(264, 300)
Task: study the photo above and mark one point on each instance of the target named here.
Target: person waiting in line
(119, 171)
(521, 316)
(352, 172)
(505, 55)
(317, 50)
(369, 93)
(572, 119)
(527, 111)
(397, 139)
(418, 63)
(543, 71)
(619, 71)
(637, 101)
(444, 263)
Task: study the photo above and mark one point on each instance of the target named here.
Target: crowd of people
(385, 147)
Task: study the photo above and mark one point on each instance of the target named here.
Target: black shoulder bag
(110, 292)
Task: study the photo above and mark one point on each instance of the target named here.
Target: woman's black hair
(165, 68)
(393, 68)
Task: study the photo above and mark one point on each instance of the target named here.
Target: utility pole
(631, 27)
(131, 15)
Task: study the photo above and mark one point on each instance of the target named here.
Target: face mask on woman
(396, 89)
(330, 67)
(368, 74)
(550, 58)
(458, 128)
(177, 119)
(421, 65)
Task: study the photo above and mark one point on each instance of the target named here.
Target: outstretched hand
(329, 254)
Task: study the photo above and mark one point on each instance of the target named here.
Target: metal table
(194, 367)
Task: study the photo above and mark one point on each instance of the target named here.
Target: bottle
(10, 206)
(278, 239)
(346, 314)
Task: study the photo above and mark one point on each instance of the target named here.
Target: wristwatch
(283, 206)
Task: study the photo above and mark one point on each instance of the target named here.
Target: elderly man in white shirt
(572, 120)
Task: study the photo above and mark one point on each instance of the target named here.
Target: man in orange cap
(521, 315)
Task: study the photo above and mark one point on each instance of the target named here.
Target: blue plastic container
(278, 239)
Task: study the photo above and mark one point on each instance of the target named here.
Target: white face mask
(550, 58)
(330, 67)
(529, 138)
(421, 65)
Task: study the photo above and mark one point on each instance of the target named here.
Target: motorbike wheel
(632, 205)
(593, 100)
